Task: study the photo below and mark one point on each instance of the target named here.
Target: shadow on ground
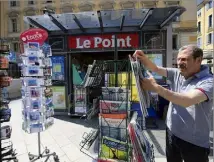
(92, 123)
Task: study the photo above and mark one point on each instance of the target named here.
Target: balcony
(149, 4)
(210, 29)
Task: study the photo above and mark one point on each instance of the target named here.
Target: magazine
(114, 125)
(113, 149)
(142, 149)
(116, 93)
(143, 95)
(114, 107)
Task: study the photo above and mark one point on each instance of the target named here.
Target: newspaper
(144, 98)
(142, 148)
(87, 81)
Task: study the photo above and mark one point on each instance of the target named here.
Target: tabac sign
(104, 41)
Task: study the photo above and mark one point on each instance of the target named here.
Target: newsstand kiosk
(76, 39)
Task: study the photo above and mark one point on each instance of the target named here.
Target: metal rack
(7, 152)
(113, 78)
(124, 140)
(45, 99)
(142, 150)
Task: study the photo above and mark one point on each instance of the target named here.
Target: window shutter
(212, 36)
(26, 26)
(9, 25)
(18, 3)
(207, 39)
(18, 25)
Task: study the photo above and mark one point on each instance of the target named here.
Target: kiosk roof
(105, 21)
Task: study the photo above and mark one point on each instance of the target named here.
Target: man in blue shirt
(191, 98)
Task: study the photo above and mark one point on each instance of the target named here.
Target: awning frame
(146, 20)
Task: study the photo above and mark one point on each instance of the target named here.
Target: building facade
(205, 21)
(12, 12)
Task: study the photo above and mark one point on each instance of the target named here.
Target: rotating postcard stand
(37, 94)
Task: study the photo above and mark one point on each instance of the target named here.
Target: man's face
(187, 64)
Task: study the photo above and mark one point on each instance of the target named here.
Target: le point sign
(104, 41)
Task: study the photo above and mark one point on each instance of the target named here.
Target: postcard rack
(7, 152)
(37, 112)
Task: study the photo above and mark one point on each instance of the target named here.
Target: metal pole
(116, 61)
(213, 106)
(39, 144)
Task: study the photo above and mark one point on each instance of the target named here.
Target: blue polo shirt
(191, 124)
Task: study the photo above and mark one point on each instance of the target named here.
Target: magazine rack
(114, 80)
(85, 95)
(7, 152)
(118, 138)
(37, 95)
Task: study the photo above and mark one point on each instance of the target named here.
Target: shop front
(77, 39)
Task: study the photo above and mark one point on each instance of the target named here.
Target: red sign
(34, 35)
(104, 41)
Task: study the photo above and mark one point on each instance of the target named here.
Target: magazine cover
(114, 125)
(116, 93)
(114, 107)
(113, 149)
(80, 100)
(109, 160)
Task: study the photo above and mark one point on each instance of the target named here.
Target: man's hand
(139, 55)
(149, 84)
(148, 63)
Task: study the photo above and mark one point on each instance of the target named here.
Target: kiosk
(77, 39)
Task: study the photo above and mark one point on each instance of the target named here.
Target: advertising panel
(58, 68)
(157, 59)
(59, 97)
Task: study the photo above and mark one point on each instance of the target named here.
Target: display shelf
(114, 107)
(37, 95)
(7, 152)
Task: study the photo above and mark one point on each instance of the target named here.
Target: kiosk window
(175, 42)
(56, 43)
(153, 40)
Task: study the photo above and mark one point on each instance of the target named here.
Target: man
(191, 99)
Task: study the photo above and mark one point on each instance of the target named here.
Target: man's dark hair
(196, 51)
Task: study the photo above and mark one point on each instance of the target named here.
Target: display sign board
(59, 97)
(34, 35)
(157, 59)
(104, 41)
(58, 69)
